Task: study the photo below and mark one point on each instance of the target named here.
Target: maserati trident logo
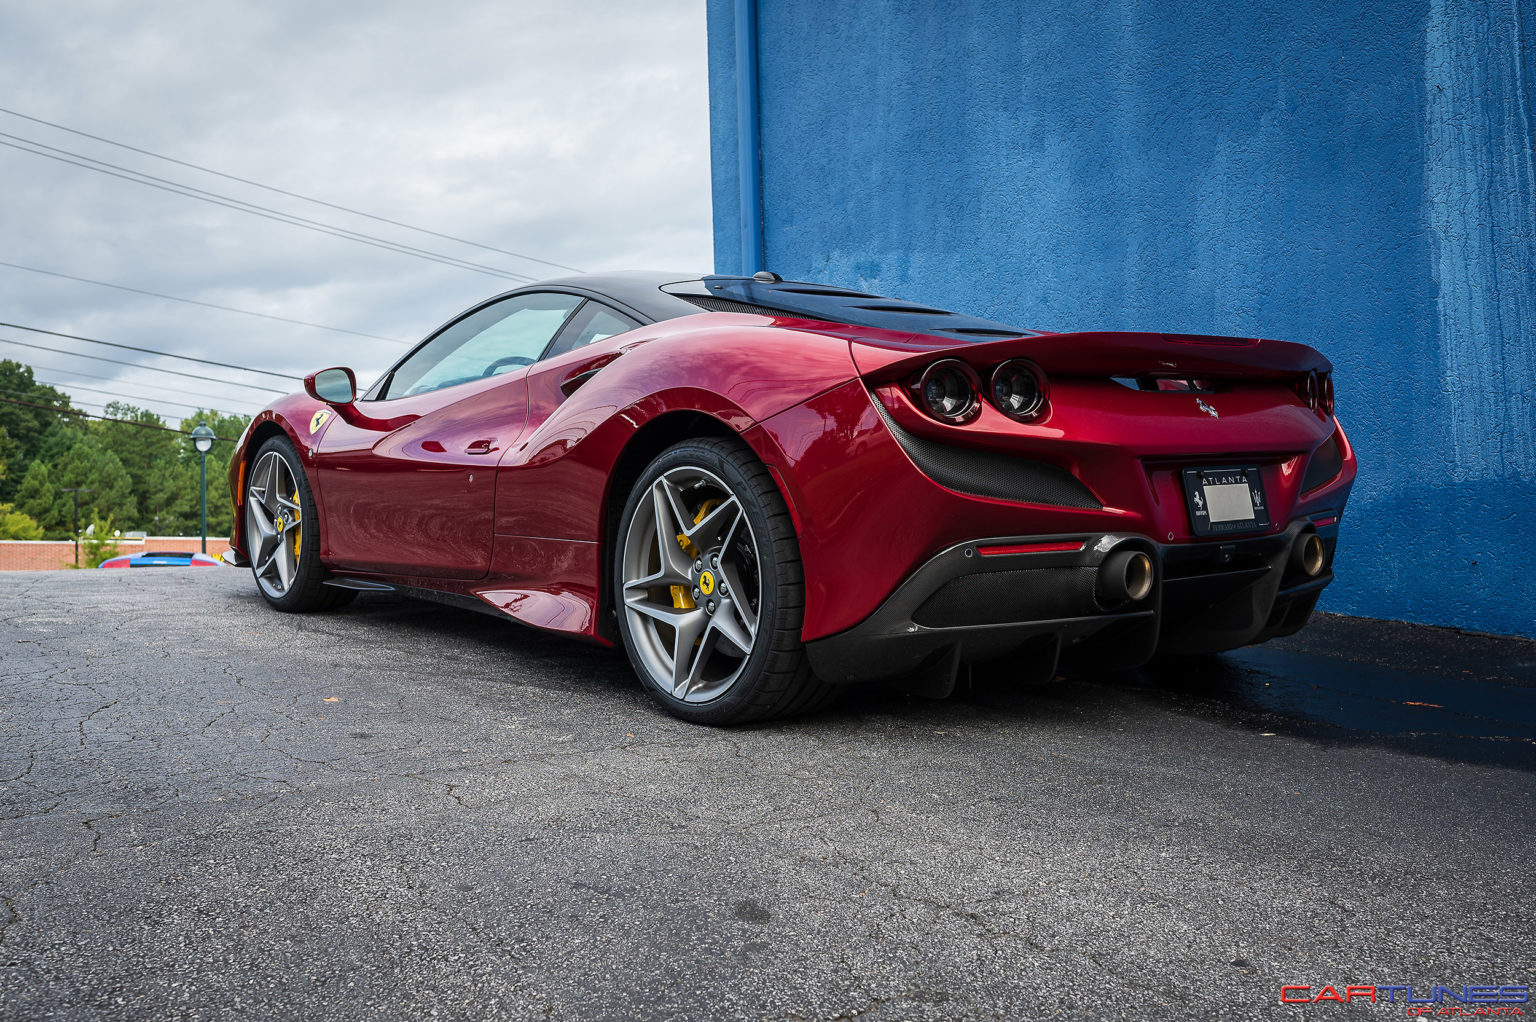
(1207, 409)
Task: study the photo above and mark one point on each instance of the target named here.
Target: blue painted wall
(1359, 176)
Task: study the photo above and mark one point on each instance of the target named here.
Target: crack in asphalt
(485, 822)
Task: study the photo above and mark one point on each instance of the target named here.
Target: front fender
(296, 417)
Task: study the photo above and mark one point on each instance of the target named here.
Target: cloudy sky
(572, 131)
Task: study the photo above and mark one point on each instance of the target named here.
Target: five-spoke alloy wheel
(708, 587)
(282, 533)
(273, 515)
(692, 588)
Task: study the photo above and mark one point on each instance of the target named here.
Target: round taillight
(1019, 390)
(947, 391)
(1325, 397)
(1309, 391)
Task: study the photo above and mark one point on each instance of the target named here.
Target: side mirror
(333, 386)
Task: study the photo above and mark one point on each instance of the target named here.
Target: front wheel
(282, 533)
(710, 594)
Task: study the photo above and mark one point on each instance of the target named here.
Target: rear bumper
(981, 603)
(869, 512)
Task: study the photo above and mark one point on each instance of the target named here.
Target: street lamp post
(76, 490)
(202, 439)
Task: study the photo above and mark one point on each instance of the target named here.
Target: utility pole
(76, 490)
(202, 439)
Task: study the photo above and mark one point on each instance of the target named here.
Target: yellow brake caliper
(682, 599)
(298, 536)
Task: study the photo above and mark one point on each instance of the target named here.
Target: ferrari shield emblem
(317, 420)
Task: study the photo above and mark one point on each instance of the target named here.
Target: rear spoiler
(1099, 353)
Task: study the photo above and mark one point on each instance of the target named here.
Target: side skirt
(456, 600)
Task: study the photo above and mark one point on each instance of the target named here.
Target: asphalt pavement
(402, 810)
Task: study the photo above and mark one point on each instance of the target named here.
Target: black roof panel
(658, 296)
(641, 290)
(836, 305)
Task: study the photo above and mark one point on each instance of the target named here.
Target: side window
(593, 323)
(511, 333)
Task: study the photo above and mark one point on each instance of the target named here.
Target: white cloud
(576, 132)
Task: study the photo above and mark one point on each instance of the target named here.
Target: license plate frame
(1205, 487)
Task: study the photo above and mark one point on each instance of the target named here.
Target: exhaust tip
(1309, 556)
(1138, 576)
(1127, 576)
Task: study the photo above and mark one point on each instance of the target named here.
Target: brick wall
(46, 555)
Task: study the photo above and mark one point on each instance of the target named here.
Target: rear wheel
(710, 595)
(282, 533)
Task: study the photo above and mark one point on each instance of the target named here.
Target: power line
(148, 351)
(72, 373)
(206, 305)
(125, 398)
(264, 212)
(95, 405)
(63, 409)
(90, 403)
(105, 418)
(240, 205)
(96, 402)
(124, 394)
(140, 365)
(282, 191)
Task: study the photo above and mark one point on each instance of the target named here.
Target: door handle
(480, 447)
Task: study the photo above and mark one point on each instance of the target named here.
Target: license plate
(1225, 500)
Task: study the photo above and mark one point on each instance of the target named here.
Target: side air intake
(989, 473)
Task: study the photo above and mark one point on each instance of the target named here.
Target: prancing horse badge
(317, 420)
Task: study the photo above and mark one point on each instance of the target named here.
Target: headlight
(947, 391)
(1019, 390)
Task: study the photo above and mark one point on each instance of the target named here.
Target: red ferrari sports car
(765, 488)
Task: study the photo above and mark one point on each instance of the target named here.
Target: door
(408, 486)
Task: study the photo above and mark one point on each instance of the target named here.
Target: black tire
(306, 590)
(776, 678)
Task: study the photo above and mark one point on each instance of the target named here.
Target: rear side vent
(908, 310)
(728, 305)
(825, 292)
(1327, 462)
(990, 473)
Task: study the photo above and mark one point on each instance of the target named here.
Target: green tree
(152, 456)
(98, 543)
(22, 423)
(15, 525)
(86, 465)
(35, 494)
(221, 514)
(57, 439)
